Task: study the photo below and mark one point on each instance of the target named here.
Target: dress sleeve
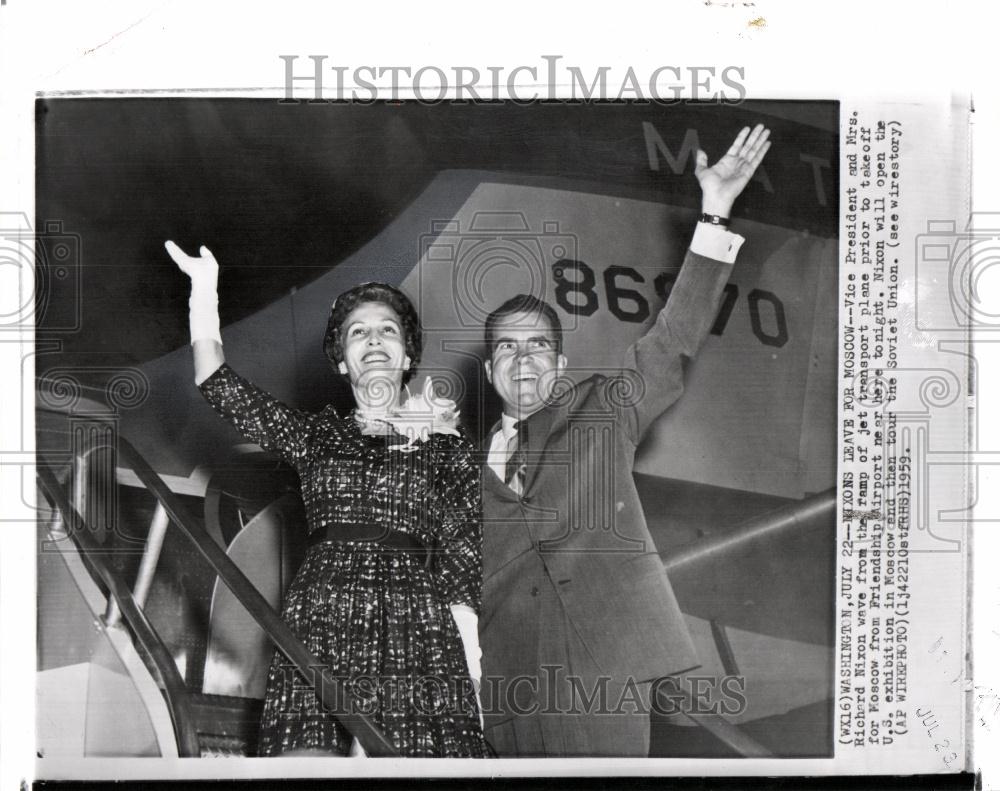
(459, 561)
(257, 415)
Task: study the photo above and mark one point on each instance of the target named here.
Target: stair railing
(331, 692)
(174, 690)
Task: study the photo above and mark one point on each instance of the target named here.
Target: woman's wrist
(203, 315)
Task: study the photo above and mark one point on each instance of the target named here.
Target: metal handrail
(331, 693)
(174, 690)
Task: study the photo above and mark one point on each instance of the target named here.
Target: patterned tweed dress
(377, 618)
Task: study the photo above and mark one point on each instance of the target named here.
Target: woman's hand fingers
(202, 265)
(182, 259)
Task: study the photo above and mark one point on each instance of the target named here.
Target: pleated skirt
(375, 621)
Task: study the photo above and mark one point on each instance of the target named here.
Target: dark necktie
(517, 465)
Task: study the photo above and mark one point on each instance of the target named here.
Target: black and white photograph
(436, 430)
(421, 392)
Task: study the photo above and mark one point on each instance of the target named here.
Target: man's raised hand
(722, 183)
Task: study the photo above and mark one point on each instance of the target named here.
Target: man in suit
(579, 621)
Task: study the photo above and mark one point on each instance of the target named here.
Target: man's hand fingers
(749, 165)
(734, 149)
(754, 149)
(751, 139)
(700, 161)
(755, 142)
(758, 156)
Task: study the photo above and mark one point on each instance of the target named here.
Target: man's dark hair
(333, 345)
(523, 303)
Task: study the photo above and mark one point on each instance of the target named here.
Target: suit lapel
(539, 428)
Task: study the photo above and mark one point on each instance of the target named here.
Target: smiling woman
(389, 592)
(374, 322)
(373, 346)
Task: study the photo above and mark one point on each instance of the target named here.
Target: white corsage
(422, 415)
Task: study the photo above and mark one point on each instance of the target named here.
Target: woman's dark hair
(374, 292)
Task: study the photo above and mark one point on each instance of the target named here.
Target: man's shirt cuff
(714, 241)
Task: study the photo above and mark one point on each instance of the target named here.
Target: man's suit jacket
(579, 525)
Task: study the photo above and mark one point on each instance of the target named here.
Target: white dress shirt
(497, 457)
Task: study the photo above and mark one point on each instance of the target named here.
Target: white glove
(468, 629)
(204, 303)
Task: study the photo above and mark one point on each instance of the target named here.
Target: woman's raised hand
(203, 269)
(206, 338)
